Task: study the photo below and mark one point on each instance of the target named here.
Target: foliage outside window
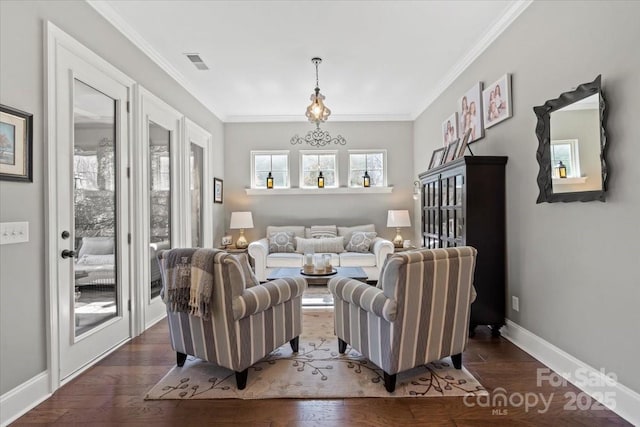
(312, 162)
(276, 162)
(374, 162)
(567, 152)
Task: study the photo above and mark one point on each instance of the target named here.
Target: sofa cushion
(328, 245)
(360, 241)
(357, 259)
(281, 241)
(323, 231)
(284, 259)
(347, 231)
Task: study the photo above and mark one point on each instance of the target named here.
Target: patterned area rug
(317, 371)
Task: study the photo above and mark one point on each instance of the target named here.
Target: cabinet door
(451, 210)
(431, 213)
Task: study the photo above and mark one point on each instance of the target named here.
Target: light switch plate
(14, 232)
(515, 303)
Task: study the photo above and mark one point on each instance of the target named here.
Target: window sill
(317, 191)
(569, 181)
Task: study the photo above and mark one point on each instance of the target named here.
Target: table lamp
(241, 220)
(398, 219)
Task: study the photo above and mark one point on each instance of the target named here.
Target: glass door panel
(197, 169)
(159, 201)
(95, 291)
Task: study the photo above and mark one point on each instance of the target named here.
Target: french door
(88, 156)
(200, 194)
(158, 205)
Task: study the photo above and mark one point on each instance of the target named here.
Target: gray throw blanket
(187, 275)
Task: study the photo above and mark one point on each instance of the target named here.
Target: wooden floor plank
(112, 394)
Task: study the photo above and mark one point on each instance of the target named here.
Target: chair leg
(457, 360)
(342, 346)
(241, 379)
(294, 344)
(390, 382)
(180, 358)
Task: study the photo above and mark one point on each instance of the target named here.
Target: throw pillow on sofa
(347, 231)
(323, 231)
(97, 246)
(332, 245)
(281, 241)
(361, 241)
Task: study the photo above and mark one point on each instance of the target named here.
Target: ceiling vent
(197, 61)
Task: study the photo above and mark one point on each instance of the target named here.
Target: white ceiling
(382, 60)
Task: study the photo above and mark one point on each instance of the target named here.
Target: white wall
(574, 266)
(351, 209)
(22, 276)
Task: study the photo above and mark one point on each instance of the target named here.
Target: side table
(234, 250)
(395, 250)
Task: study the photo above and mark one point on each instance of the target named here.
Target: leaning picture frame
(464, 143)
(217, 190)
(436, 157)
(451, 152)
(16, 145)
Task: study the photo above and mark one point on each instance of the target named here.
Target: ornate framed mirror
(572, 146)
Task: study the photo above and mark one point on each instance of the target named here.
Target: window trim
(334, 153)
(369, 151)
(575, 155)
(269, 153)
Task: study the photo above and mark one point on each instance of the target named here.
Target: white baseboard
(26, 396)
(626, 401)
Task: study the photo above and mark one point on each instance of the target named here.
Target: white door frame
(149, 107)
(56, 39)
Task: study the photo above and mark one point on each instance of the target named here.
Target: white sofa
(370, 261)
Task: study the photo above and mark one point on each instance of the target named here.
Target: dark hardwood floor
(111, 393)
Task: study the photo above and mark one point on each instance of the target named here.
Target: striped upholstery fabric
(418, 314)
(246, 323)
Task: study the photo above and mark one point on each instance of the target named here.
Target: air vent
(197, 61)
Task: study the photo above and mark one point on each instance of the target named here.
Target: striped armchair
(418, 312)
(226, 316)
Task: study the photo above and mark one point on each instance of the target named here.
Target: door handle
(68, 254)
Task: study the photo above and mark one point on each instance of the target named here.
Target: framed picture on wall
(217, 190)
(450, 129)
(16, 145)
(470, 113)
(496, 101)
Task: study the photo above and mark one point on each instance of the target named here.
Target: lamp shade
(398, 219)
(241, 220)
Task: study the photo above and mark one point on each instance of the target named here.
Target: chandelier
(317, 112)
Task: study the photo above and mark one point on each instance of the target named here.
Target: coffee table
(356, 273)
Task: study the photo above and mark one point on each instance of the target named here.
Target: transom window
(566, 150)
(313, 162)
(276, 162)
(373, 162)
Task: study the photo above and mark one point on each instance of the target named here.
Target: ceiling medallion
(317, 112)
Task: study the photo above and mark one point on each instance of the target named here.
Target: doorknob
(68, 254)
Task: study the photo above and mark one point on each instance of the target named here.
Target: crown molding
(114, 18)
(501, 24)
(333, 119)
